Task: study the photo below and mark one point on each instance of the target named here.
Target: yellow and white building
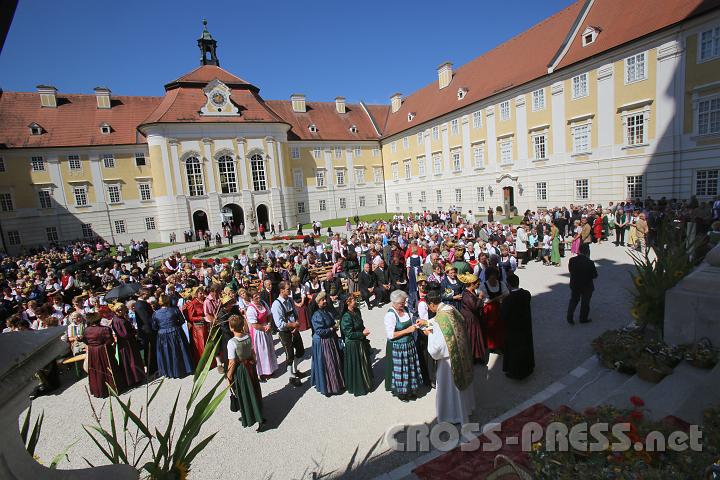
(604, 101)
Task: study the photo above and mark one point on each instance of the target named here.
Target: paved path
(311, 435)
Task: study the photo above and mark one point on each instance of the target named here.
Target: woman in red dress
(102, 368)
(597, 228)
(198, 327)
(471, 308)
(493, 292)
(300, 300)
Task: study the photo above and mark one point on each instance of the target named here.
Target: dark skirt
(302, 316)
(326, 369)
(173, 353)
(477, 343)
(131, 364)
(494, 327)
(406, 374)
(357, 369)
(103, 371)
(246, 388)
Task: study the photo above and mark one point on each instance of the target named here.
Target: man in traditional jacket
(449, 345)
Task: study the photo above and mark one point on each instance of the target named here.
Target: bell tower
(208, 48)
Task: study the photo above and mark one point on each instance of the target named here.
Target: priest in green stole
(448, 344)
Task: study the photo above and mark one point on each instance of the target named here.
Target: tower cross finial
(207, 47)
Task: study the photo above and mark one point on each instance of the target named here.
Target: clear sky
(363, 50)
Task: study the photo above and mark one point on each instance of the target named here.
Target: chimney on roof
(48, 96)
(340, 104)
(298, 102)
(445, 74)
(395, 102)
(102, 94)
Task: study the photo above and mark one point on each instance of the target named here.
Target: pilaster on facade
(466, 148)
(445, 137)
(558, 127)
(606, 105)
(270, 159)
(491, 141)
(57, 180)
(97, 179)
(242, 163)
(521, 132)
(210, 164)
(174, 145)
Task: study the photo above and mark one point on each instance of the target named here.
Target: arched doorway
(200, 221)
(262, 216)
(233, 216)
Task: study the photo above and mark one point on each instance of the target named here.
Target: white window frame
(420, 138)
(81, 192)
(298, 178)
(436, 133)
(140, 156)
(456, 158)
(633, 183)
(629, 118)
(458, 196)
(37, 163)
(361, 201)
(541, 191)
(538, 100)
(378, 174)
(709, 100)
(505, 110)
(258, 172)
(537, 145)
(707, 176)
(342, 201)
(150, 223)
(340, 179)
(714, 53)
(45, 198)
(437, 164)
(7, 203)
(409, 200)
(14, 237)
(74, 163)
(317, 153)
(375, 152)
(438, 197)
(578, 81)
(580, 184)
(300, 208)
(421, 165)
(380, 199)
(320, 178)
(632, 73)
(394, 169)
(393, 147)
(227, 174)
(322, 205)
(108, 160)
(51, 234)
(480, 193)
(423, 196)
(119, 226)
(359, 176)
(194, 176)
(397, 201)
(113, 190)
(407, 169)
(454, 126)
(144, 191)
(2, 165)
(358, 152)
(505, 150)
(406, 142)
(337, 150)
(574, 133)
(86, 230)
(477, 119)
(478, 156)
(295, 153)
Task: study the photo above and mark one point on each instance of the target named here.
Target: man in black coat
(582, 273)
(382, 279)
(519, 354)
(145, 332)
(367, 285)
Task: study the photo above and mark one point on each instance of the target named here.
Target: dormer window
(461, 93)
(105, 128)
(353, 129)
(313, 128)
(589, 35)
(35, 129)
(411, 116)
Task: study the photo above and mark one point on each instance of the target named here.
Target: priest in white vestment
(448, 344)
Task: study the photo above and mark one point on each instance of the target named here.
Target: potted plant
(651, 369)
(702, 354)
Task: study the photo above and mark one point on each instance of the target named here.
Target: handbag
(234, 402)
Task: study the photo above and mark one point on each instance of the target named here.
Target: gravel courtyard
(310, 436)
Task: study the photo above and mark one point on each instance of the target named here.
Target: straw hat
(449, 267)
(421, 277)
(225, 299)
(468, 278)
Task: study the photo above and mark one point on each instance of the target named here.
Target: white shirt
(390, 321)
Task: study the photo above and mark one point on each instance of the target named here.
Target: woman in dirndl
(258, 318)
(242, 374)
(471, 308)
(403, 376)
(326, 368)
(357, 368)
(102, 368)
(300, 301)
(493, 292)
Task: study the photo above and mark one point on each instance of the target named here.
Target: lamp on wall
(520, 188)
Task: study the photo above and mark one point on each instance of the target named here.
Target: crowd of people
(449, 281)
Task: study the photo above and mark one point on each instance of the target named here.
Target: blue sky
(364, 50)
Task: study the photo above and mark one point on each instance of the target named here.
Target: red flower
(637, 401)
(636, 415)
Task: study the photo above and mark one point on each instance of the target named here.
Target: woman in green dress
(555, 251)
(357, 369)
(242, 374)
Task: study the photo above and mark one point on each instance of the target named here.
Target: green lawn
(340, 222)
(151, 245)
(512, 221)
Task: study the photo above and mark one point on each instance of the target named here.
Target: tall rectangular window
(479, 156)
(541, 191)
(119, 226)
(635, 68)
(338, 152)
(87, 231)
(408, 169)
(317, 153)
(477, 119)
(108, 160)
(538, 100)
(506, 156)
(635, 129)
(298, 178)
(706, 183)
(228, 177)
(456, 161)
(343, 203)
(340, 177)
(319, 178)
(581, 139)
(74, 162)
(295, 153)
(145, 193)
(394, 171)
(379, 199)
(149, 223)
(6, 202)
(13, 237)
(421, 166)
(37, 164)
(393, 147)
(505, 110)
(397, 201)
(438, 196)
(435, 133)
(423, 198)
(458, 195)
(419, 137)
(193, 170)
(140, 160)
(2, 164)
(361, 200)
(300, 207)
(437, 164)
(580, 86)
(454, 126)
(113, 190)
(45, 199)
(406, 143)
(708, 120)
(358, 152)
(409, 200)
(378, 174)
(480, 192)
(634, 187)
(582, 189)
(376, 152)
(51, 233)
(257, 167)
(710, 44)
(322, 205)
(539, 150)
(80, 194)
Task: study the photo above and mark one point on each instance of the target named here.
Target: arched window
(193, 169)
(228, 177)
(257, 165)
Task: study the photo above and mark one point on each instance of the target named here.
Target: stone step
(590, 392)
(686, 393)
(580, 379)
(620, 396)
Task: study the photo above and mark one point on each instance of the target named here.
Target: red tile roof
(517, 61)
(623, 22)
(330, 124)
(75, 122)
(207, 73)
